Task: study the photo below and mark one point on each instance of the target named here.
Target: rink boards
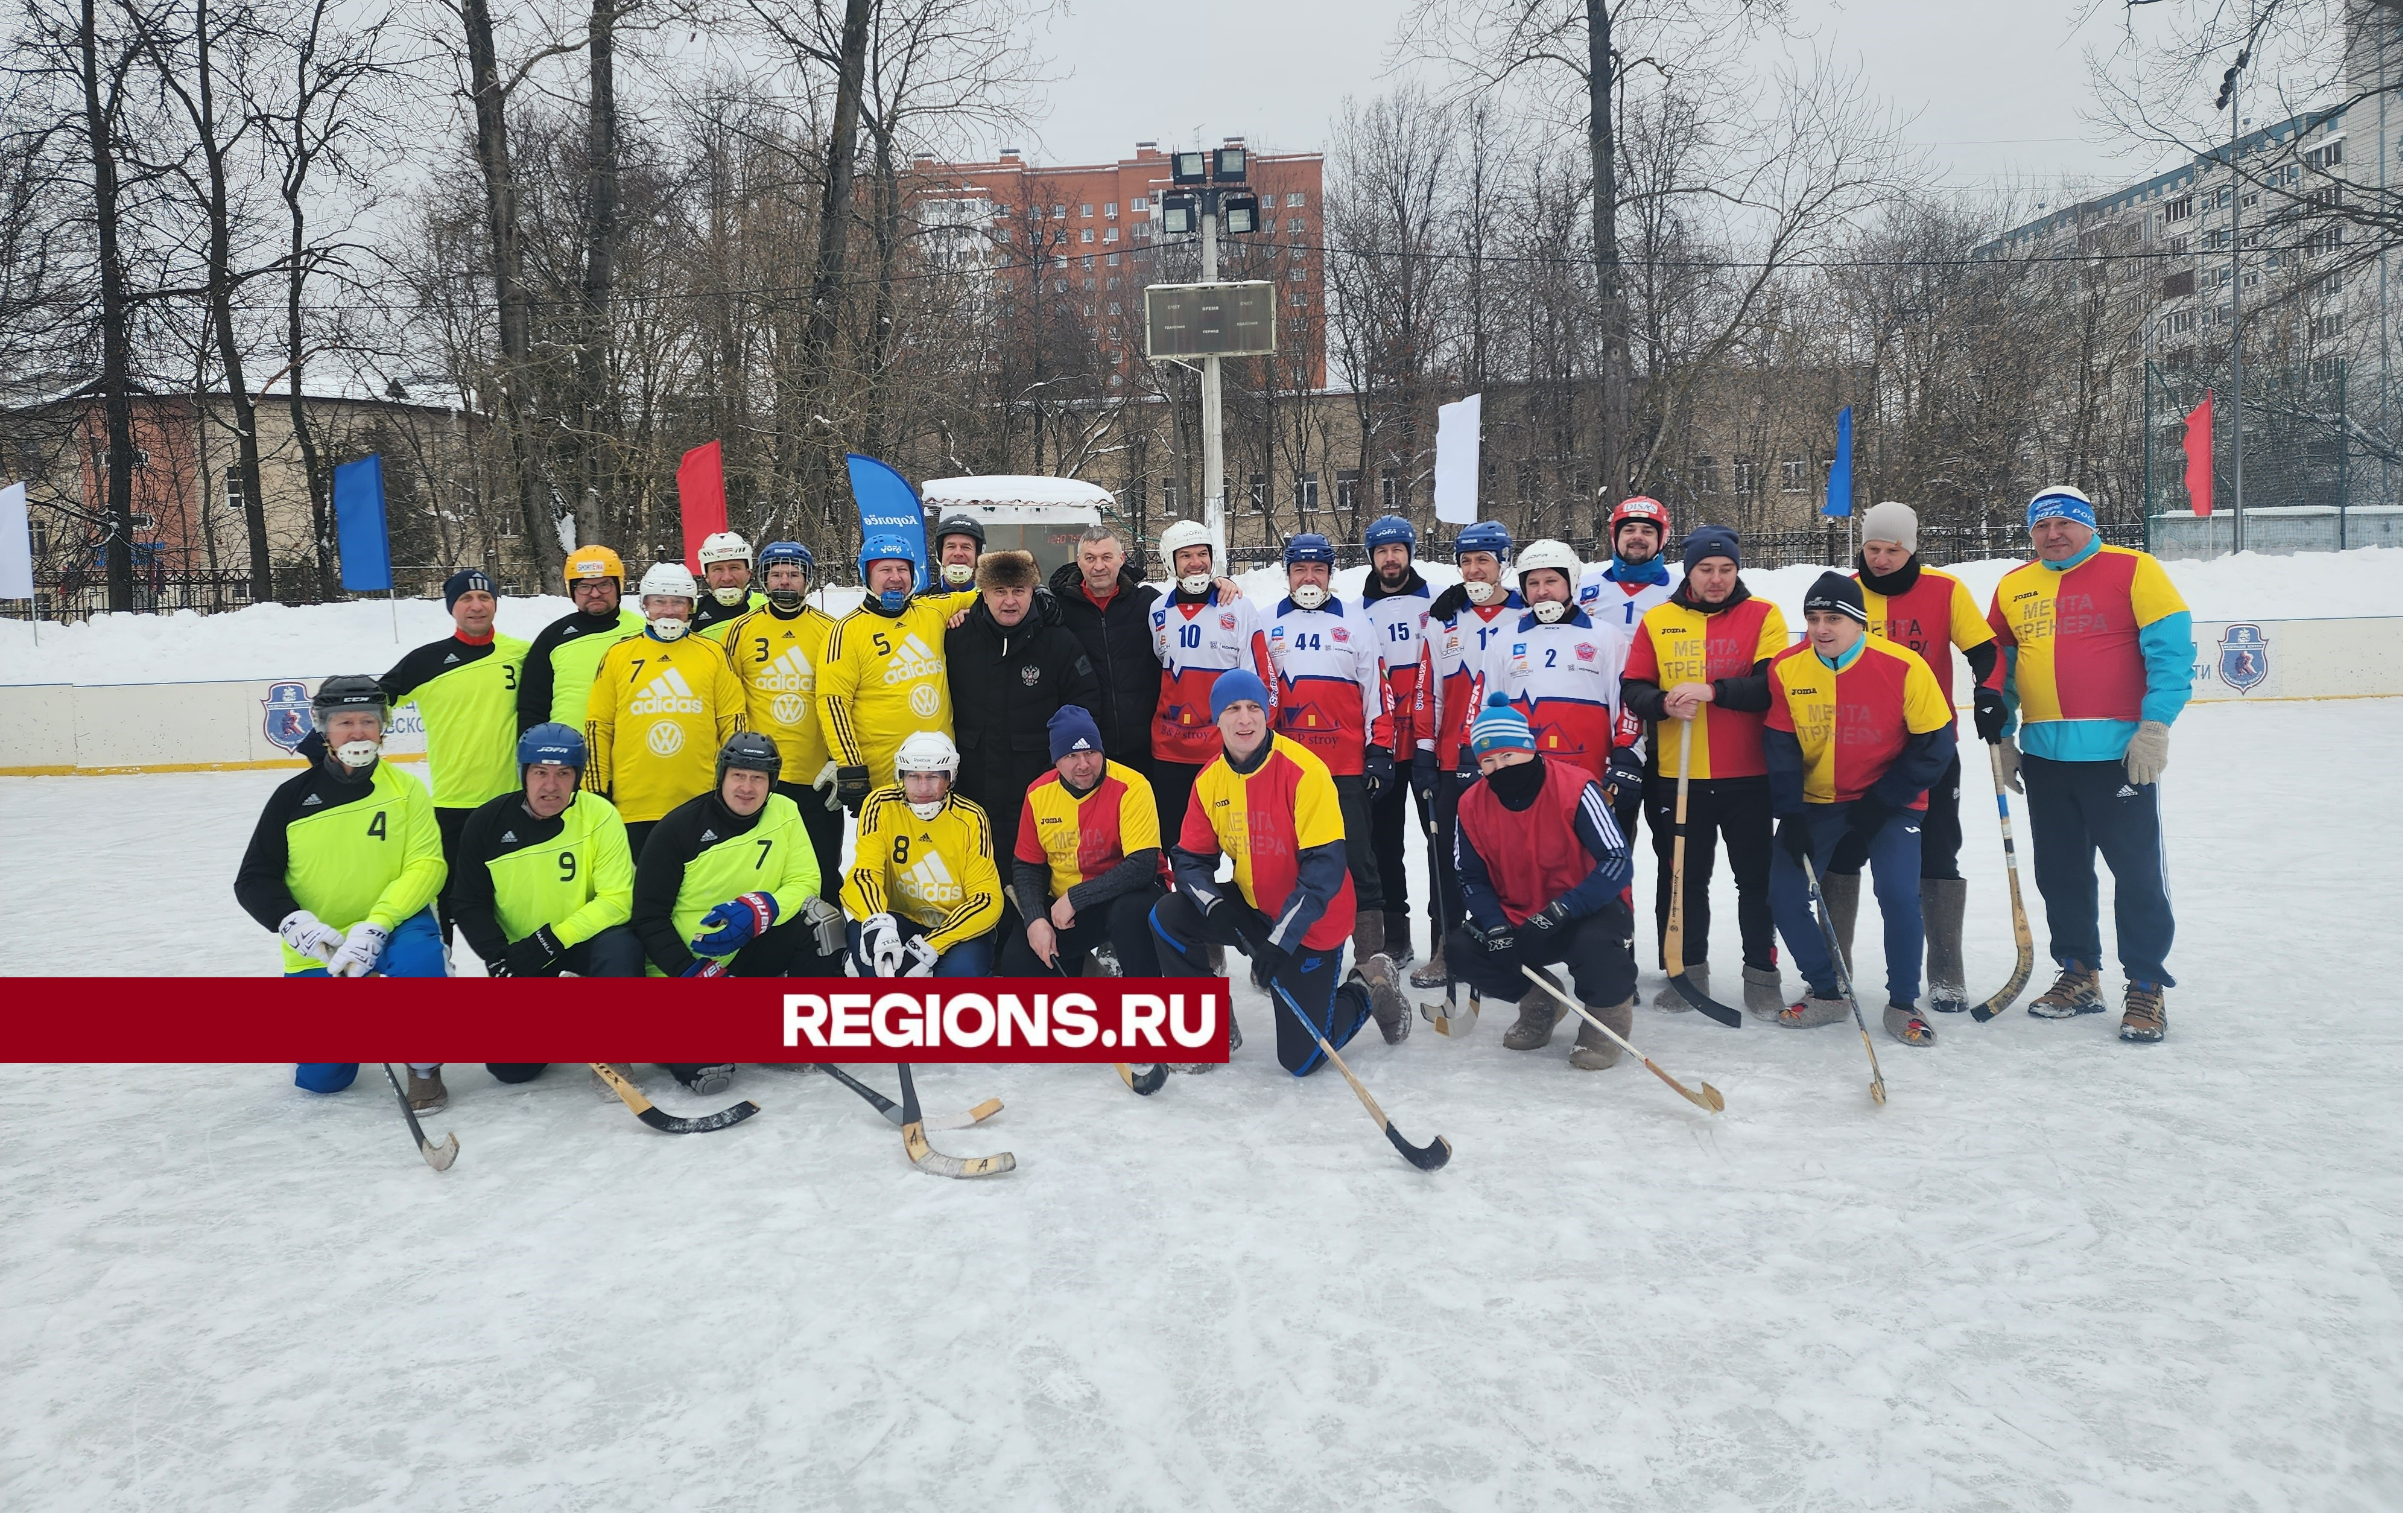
(58, 729)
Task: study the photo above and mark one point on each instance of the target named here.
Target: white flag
(1456, 476)
(16, 544)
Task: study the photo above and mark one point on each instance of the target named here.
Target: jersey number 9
(568, 866)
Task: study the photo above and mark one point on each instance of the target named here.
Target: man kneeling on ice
(1546, 877)
(1271, 807)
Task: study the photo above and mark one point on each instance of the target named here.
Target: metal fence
(1831, 546)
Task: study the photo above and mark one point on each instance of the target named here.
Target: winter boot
(1389, 1009)
(1217, 957)
(1943, 943)
(705, 1077)
(1370, 935)
(1432, 974)
(2144, 1014)
(1593, 1051)
(1761, 991)
(1399, 932)
(2076, 992)
(1811, 1013)
(1668, 999)
(603, 1090)
(1841, 891)
(427, 1093)
(1541, 1011)
(1906, 1025)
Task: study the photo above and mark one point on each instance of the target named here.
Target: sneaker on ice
(2144, 1014)
(2076, 992)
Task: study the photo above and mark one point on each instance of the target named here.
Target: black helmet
(748, 751)
(961, 525)
(344, 691)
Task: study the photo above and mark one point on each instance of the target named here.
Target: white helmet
(726, 546)
(668, 579)
(1548, 553)
(927, 751)
(1181, 534)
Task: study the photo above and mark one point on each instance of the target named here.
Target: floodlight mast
(1215, 514)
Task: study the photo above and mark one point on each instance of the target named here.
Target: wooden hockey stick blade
(1881, 1088)
(1147, 1084)
(936, 1162)
(1448, 1023)
(1839, 970)
(438, 1157)
(1709, 1099)
(1697, 998)
(669, 1123)
(2004, 998)
(1429, 1158)
(893, 1114)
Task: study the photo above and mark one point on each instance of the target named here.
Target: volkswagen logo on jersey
(923, 701)
(666, 738)
(2245, 658)
(287, 720)
(787, 709)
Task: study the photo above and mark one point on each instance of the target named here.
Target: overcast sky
(1996, 89)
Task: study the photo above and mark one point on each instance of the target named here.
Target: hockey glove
(1542, 927)
(1990, 712)
(706, 967)
(2144, 755)
(1253, 930)
(729, 925)
(1379, 770)
(852, 786)
(1794, 837)
(1452, 600)
(828, 926)
(1498, 941)
(360, 951)
(1268, 963)
(1865, 817)
(920, 957)
(1426, 775)
(310, 935)
(530, 956)
(826, 781)
(1624, 777)
(876, 950)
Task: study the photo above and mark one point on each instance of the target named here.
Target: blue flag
(359, 524)
(1840, 494)
(889, 507)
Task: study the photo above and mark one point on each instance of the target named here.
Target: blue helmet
(1311, 547)
(887, 549)
(787, 552)
(1389, 530)
(1487, 536)
(551, 744)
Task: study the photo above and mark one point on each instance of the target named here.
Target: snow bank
(275, 640)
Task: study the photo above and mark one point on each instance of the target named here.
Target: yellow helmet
(594, 562)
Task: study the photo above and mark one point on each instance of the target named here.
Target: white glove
(2010, 762)
(826, 779)
(919, 958)
(360, 952)
(310, 935)
(828, 926)
(2145, 757)
(880, 950)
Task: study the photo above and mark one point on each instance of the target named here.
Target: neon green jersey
(701, 855)
(346, 851)
(571, 871)
(467, 697)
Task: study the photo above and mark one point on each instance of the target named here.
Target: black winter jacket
(1119, 641)
(1006, 684)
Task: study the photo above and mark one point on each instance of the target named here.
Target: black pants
(1943, 829)
(1388, 824)
(616, 952)
(825, 826)
(516, 1071)
(1125, 920)
(2081, 811)
(1740, 810)
(1174, 783)
(451, 822)
(1362, 864)
(1181, 932)
(638, 831)
(786, 949)
(1597, 948)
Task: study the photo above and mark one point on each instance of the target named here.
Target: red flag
(702, 500)
(2199, 450)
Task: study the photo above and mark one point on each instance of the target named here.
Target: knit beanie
(1072, 728)
(1709, 542)
(1840, 592)
(1890, 521)
(1500, 727)
(467, 580)
(1235, 684)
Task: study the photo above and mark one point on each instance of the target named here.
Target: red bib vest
(1536, 856)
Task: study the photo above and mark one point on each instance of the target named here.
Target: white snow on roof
(1012, 488)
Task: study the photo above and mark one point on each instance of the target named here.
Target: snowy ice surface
(277, 641)
(2056, 1272)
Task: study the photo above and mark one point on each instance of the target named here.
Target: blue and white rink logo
(287, 720)
(2244, 658)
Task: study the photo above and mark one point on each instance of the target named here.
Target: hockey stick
(438, 1157)
(915, 1143)
(1674, 967)
(894, 1116)
(1444, 1020)
(1840, 967)
(666, 1123)
(1144, 1084)
(1707, 1099)
(1429, 1158)
(2004, 998)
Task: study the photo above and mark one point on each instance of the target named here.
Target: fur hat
(1006, 569)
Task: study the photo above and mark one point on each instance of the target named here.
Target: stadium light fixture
(1178, 215)
(1188, 168)
(1237, 213)
(1229, 165)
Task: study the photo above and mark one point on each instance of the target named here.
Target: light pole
(2230, 95)
(1203, 208)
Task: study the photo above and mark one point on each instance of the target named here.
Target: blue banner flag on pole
(359, 524)
(889, 506)
(1840, 493)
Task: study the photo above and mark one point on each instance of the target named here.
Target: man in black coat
(1011, 665)
(1106, 603)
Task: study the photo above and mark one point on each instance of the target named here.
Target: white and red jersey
(1620, 604)
(1453, 654)
(1566, 679)
(1400, 623)
(1323, 668)
(1196, 643)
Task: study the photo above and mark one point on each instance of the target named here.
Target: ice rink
(2056, 1272)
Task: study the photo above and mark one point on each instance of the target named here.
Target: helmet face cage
(1487, 536)
(794, 553)
(926, 751)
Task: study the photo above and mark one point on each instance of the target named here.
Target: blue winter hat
(2061, 501)
(1072, 728)
(1500, 727)
(467, 580)
(1709, 542)
(1235, 684)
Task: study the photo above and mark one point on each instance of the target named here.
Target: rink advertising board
(792, 1019)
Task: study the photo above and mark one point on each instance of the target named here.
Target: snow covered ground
(2056, 1272)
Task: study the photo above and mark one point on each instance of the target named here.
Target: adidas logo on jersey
(312, 802)
(510, 837)
(914, 660)
(448, 658)
(930, 882)
(710, 835)
(2127, 791)
(666, 695)
(789, 674)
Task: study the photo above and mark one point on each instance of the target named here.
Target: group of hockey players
(662, 790)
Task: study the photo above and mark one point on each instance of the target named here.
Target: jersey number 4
(376, 825)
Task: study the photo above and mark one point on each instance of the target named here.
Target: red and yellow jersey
(1079, 838)
(1936, 613)
(1851, 722)
(1678, 644)
(1261, 819)
(1196, 643)
(2077, 634)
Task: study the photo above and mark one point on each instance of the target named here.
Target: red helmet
(1640, 507)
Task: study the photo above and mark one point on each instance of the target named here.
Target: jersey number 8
(902, 850)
